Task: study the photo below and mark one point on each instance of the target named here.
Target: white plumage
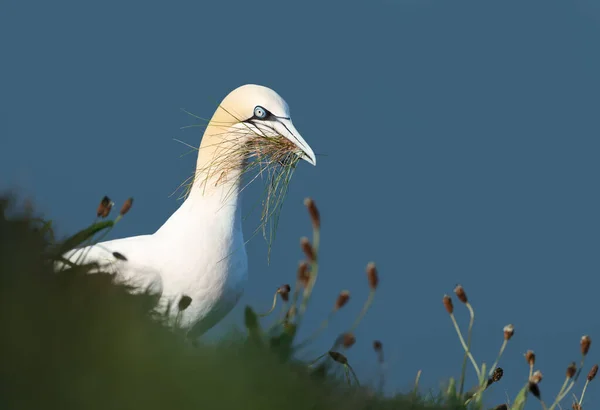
(199, 251)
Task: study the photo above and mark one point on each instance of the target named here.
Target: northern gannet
(199, 251)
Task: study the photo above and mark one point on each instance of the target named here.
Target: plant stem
(468, 352)
(464, 345)
(498, 359)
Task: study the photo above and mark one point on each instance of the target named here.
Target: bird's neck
(213, 203)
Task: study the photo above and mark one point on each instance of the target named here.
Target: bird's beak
(285, 128)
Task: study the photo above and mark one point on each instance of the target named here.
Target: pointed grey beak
(285, 127)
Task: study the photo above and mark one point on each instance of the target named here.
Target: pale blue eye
(260, 112)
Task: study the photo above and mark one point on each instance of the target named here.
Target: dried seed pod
(104, 207)
(338, 357)
(342, 299)
(372, 275)
(447, 300)
(313, 211)
(497, 375)
(537, 377)
(377, 346)
(586, 342)
(461, 294)
(509, 331)
(530, 357)
(535, 390)
(576, 406)
(126, 206)
(307, 248)
(303, 276)
(348, 340)
(284, 292)
(593, 372)
(571, 370)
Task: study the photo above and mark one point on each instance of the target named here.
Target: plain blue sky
(461, 142)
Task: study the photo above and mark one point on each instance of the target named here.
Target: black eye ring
(260, 112)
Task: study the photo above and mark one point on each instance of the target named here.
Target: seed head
(302, 276)
(501, 407)
(530, 357)
(284, 292)
(377, 346)
(460, 294)
(534, 389)
(338, 357)
(313, 212)
(372, 275)
(307, 248)
(576, 406)
(509, 331)
(497, 375)
(593, 372)
(571, 370)
(447, 300)
(126, 206)
(104, 207)
(586, 342)
(342, 299)
(537, 377)
(348, 340)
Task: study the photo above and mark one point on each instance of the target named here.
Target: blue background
(460, 144)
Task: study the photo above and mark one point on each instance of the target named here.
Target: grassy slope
(75, 341)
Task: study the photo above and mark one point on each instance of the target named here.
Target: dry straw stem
(591, 375)
(450, 309)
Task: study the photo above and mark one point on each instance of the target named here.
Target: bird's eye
(260, 112)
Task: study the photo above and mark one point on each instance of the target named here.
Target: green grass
(69, 340)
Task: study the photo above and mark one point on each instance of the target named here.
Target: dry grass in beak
(249, 151)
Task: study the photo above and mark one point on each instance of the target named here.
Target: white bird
(199, 251)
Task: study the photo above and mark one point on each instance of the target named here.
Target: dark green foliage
(70, 340)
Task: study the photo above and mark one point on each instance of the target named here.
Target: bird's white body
(199, 251)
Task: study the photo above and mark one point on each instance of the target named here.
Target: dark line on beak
(292, 134)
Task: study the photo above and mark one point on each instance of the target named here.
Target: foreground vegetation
(77, 341)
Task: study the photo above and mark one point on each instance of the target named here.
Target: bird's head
(258, 117)
(251, 133)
